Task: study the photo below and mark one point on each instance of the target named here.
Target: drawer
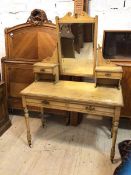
(111, 75)
(68, 106)
(92, 109)
(52, 104)
(47, 103)
(42, 70)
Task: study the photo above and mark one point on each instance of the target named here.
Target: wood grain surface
(75, 91)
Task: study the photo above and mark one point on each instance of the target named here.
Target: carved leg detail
(27, 126)
(68, 118)
(119, 84)
(43, 120)
(114, 137)
(36, 77)
(114, 131)
(29, 139)
(95, 82)
(111, 133)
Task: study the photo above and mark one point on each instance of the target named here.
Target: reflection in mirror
(77, 41)
(77, 45)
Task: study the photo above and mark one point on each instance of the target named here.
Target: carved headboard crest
(38, 17)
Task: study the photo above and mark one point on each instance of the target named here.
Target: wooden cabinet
(117, 49)
(4, 118)
(126, 88)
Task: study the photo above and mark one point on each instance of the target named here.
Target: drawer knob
(108, 74)
(45, 102)
(90, 108)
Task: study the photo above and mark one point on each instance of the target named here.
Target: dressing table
(74, 96)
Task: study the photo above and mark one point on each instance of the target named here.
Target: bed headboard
(30, 42)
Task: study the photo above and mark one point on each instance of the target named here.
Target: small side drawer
(111, 75)
(42, 70)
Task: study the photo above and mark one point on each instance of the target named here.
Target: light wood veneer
(74, 96)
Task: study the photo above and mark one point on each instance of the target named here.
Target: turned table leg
(27, 121)
(114, 132)
(112, 128)
(67, 118)
(27, 126)
(43, 120)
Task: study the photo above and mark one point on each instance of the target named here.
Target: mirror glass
(77, 48)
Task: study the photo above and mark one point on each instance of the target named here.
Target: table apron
(89, 108)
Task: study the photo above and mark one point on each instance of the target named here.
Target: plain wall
(112, 14)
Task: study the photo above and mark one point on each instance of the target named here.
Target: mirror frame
(72, 19)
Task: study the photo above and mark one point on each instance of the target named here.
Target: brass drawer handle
(45, 102)
(42, 70)
(90, 108)
(108, 74)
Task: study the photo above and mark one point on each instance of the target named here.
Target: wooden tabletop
(75, 91)
(45, 65)
(108, 68)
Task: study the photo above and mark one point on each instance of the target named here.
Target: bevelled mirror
(77, 44)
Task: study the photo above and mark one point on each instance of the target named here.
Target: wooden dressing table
(75, 96)
(81, 97)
